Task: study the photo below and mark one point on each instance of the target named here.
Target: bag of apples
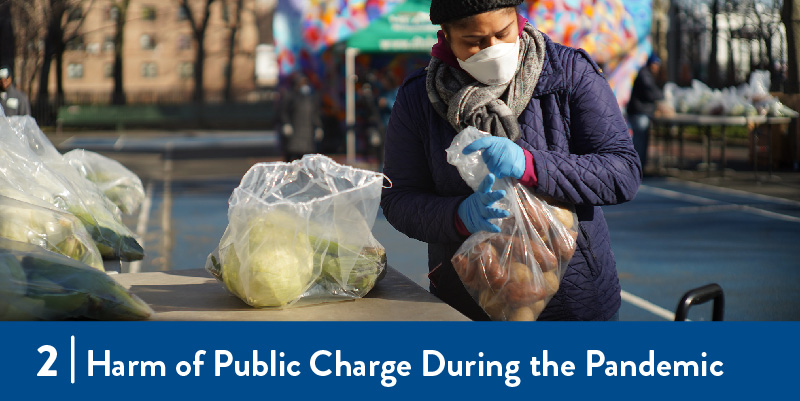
(514, 273)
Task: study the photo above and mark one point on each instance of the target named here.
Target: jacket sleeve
(411, 204)
(601, 167)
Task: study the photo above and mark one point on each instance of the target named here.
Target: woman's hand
(475, 211)
(503, 157)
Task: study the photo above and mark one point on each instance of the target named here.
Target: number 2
(45, 370)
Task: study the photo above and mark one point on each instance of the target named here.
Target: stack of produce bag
(750, 99)
(301, 233)
(514, 273)
(36, 284)
(118, 184)
(27, 219)
(30, 164)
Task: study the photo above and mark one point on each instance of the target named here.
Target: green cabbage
(271, 265)
(30, 220)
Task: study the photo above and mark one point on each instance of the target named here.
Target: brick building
(159, 51)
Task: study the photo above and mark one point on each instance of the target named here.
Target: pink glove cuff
(461, 228)
(529, 176)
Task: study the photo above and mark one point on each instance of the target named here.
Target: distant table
(195, 295)
(706, 122)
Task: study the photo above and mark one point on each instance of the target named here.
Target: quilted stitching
(582, 155)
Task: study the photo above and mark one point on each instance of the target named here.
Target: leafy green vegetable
(51, 229)
(36, 284)
(354, 274)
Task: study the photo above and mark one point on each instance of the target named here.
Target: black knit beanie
(452, 10)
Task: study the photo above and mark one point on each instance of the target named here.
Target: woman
(556, 127)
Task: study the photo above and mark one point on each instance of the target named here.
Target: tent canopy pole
(350, 101)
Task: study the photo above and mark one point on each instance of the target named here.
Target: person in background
(370, 123)
(302, 123)
(642, 105)
(14, 102)
(556, 127)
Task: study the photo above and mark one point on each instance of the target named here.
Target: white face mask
(494, 65)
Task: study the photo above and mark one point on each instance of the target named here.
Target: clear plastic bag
(27, 219)
(28, 164)
(118, 184)
(301, 232)
(36, 284)
(513, 274)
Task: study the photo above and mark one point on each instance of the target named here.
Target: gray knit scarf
(464, 102)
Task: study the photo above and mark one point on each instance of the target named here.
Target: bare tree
(713, 63)
(7, 35)
(790, 15)
(118, 95)
(199, 26)
(234, 24)
(29, 30)
(64, 21)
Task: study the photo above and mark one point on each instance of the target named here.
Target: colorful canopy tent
(615, 32)
(406, 29)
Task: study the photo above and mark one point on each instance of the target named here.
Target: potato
(522, 294)
(521, 273)
(537, 307)
(551, 281)
(492, 304)
(564, 216)
(547, 260)
(523, 314)
(494, 274)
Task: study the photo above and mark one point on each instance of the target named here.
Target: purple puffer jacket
(582, 155)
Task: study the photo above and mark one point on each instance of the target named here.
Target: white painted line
(647, 305)
(719, 206)
(737, 192)
(120, 142)
(668, 193)
(767, 213)
(72, 359)
(141, 224)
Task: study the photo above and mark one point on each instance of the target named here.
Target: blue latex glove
(475, 211)
(503, 157)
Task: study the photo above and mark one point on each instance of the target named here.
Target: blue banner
(391, 360)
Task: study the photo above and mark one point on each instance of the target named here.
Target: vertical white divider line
(72, 359)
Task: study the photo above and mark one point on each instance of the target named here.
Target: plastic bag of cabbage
(118, 184)
(27, 219)
(30, 164)
(301, 233)
(36, 284)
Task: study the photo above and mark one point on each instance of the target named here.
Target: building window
(186, 70)
(184, 42)
(112, 13)
(149, 13)
(75, 43)
(108, 43)
(108, 70)
(183, 14)
(74, 70)
(149, 70)
(148, 42)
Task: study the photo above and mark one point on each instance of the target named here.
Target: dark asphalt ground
(685, 229)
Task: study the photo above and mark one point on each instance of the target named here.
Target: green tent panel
(407, 28)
